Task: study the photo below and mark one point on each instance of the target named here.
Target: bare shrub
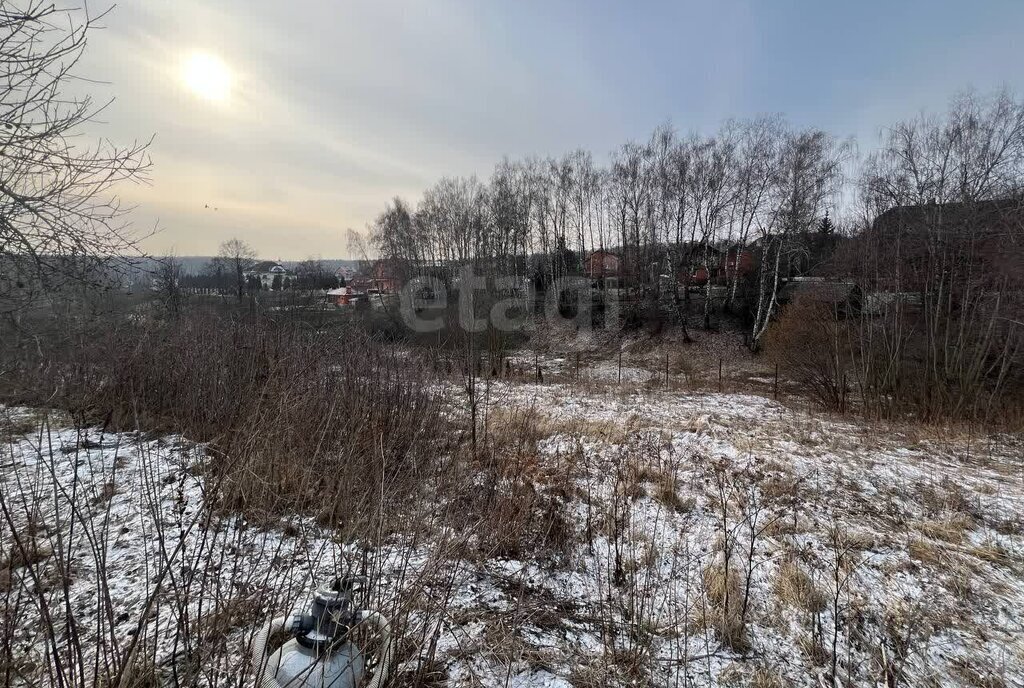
(517, 503)
(200, 580)
(299, 421)
(809, 343)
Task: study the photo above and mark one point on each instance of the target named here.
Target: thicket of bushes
(300, 420)
(921, 362)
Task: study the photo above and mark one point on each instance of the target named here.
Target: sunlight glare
(207, 76)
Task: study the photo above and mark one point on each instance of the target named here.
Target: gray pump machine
(321, 652)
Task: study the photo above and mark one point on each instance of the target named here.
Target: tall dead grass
(295, 420)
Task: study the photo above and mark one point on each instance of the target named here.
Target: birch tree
(631, 187)
(808, 180)
(758, 150)
(712, 190)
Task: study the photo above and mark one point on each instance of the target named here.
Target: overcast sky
(334, 106)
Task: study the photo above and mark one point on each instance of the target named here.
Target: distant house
(602, 264)
(387, 276)
(384, 277)
(342, 296)
(697, 278)
(736, 261)
(698, 263)
(954, 219)
(267, 271)
(986, 232)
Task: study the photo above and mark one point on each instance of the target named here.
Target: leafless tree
(809, 178)
(59, 219)
(218, 273)
(756, 175)
(712, 190)
(167, 284)
(554, 183)
(239, 257)
(665, 183)
(394, 233)
(945, 259)
(311, 274)
(583, 189)
(630, 187)
(510, 201)
(355, 245)
(448, 223)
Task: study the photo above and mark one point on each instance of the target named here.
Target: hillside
(635, 535)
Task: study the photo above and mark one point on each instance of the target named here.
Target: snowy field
(702, 540)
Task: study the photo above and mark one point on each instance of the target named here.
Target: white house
(267, 271)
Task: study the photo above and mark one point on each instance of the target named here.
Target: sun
(207, 76)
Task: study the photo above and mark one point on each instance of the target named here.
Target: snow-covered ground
(703, 539)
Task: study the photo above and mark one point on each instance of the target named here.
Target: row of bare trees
(665, 204)
(933, 240)
(662, 205)
(941, 266)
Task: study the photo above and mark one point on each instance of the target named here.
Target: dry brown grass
(297, 421)
(14, 425)
(993, 552)
(1008, 526)
(862, 540)
(105, 494)
(233, 613)
(635, 473)
(532, 424)
(952, 529)
(764, 676)
(724, 591)
(959, 580)
(790, 525)
(520, 510)
(782, 487)
(978, 677)
(667, 491)
(27, 551)
(31, 551)
(589, 676)
(813, 650)
(795, 587)
(945, 496)
(926, 552)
